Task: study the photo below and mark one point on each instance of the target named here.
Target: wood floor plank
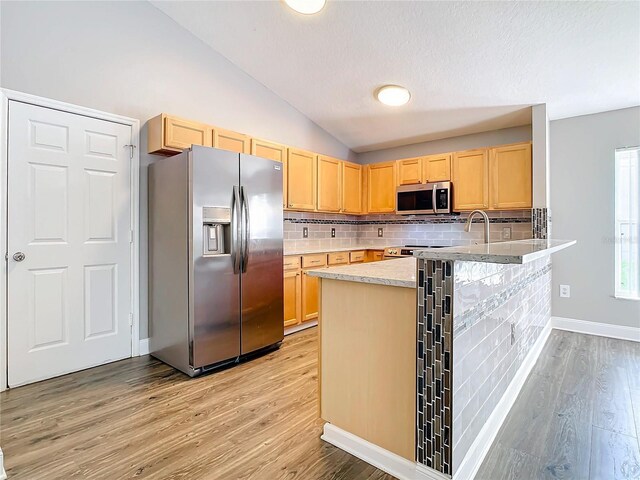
(504, 463)
(613, 410)
(141, 419)
(614, 456)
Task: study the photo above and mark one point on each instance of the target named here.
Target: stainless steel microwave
(424, 199)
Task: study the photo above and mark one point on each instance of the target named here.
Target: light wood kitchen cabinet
(292, 297)
(329, 184)
(351, 188)
(470, 176)
(374, 256)
(510, 176)
(273, 151)
(301, 180)
(309, 297)
(381, 186)
(410, 171)
(168, 134)
(337, 258)
(230, 140)
(436, 168)
(357, 256)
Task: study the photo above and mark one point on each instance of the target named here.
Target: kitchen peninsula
(392, 334)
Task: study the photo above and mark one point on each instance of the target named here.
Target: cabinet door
(292, 297)
(301, 180)
(511, 176)
(470, 180)
(273, 151)
(180, 134)
(382, 187)
(436, 168)
(410, 171)
(229, 140)
(309, 297)
(351, 188)
(329, 184)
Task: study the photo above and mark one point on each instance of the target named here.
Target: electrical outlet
(506, 233)
(333, 233)
(305, 232)
(380, 232)
(565, 291)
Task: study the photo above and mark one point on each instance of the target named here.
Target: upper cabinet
(329, 184)
(230, 140)
(351, 188)
(510, 176)
(436, 168)
(470, 180)
(168, 134)
(273, 151)
(381, 187)
(409, 171)
(301, 180)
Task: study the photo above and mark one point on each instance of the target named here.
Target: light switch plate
(506, 233)
(333, 233)
(305, 232)
(380, 232)
(565, 291)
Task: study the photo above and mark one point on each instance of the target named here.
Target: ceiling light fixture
(393, 95)
(306, 7)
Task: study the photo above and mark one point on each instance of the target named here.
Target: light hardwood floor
(577, 416)
(141, 419)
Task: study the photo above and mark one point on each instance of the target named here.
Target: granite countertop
(515, 252)
(400, 272)
(306, 251)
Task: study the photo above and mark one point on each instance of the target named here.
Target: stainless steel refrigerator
(215, 258)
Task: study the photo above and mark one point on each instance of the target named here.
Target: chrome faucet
(467, 226)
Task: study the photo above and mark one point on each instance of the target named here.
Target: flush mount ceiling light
(306, 7)
(393, 95)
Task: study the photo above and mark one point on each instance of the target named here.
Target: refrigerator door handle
(235, 229)
(246, 233)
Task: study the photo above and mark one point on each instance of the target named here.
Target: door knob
(19, 256)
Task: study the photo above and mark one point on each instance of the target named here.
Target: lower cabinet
(292, 297)
(309, 297)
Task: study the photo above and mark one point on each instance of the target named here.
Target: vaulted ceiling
(470, 66)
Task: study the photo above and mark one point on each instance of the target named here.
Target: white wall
(582, 208)
(130, 59)
(463, 142)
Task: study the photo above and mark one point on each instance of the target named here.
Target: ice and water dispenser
(216, 225)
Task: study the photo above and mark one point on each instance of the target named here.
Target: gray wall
(130, 59)
(464, 142)
(582, 208)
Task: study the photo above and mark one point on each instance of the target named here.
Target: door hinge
(131, 319)
(132, 147)
(130, 236)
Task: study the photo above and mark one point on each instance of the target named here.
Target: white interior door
(69, 224)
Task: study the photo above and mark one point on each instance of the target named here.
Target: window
(627, 222)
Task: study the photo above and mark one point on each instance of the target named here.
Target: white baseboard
(480, 447)
(144, 346)
(300, 327)
(385, 460)
(3, 474)
(595, 328)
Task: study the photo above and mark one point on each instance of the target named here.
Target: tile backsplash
(352, 230)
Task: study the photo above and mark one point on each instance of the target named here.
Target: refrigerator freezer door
(214, 287)
(262, 277)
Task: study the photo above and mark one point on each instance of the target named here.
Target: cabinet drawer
(316, 260)
(356, 256)
(338, 258)
(292, 262)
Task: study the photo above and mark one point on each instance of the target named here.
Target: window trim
(635, 233)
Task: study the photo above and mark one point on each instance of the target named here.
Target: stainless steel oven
(427, 199)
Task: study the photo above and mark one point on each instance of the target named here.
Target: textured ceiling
(470, 66)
